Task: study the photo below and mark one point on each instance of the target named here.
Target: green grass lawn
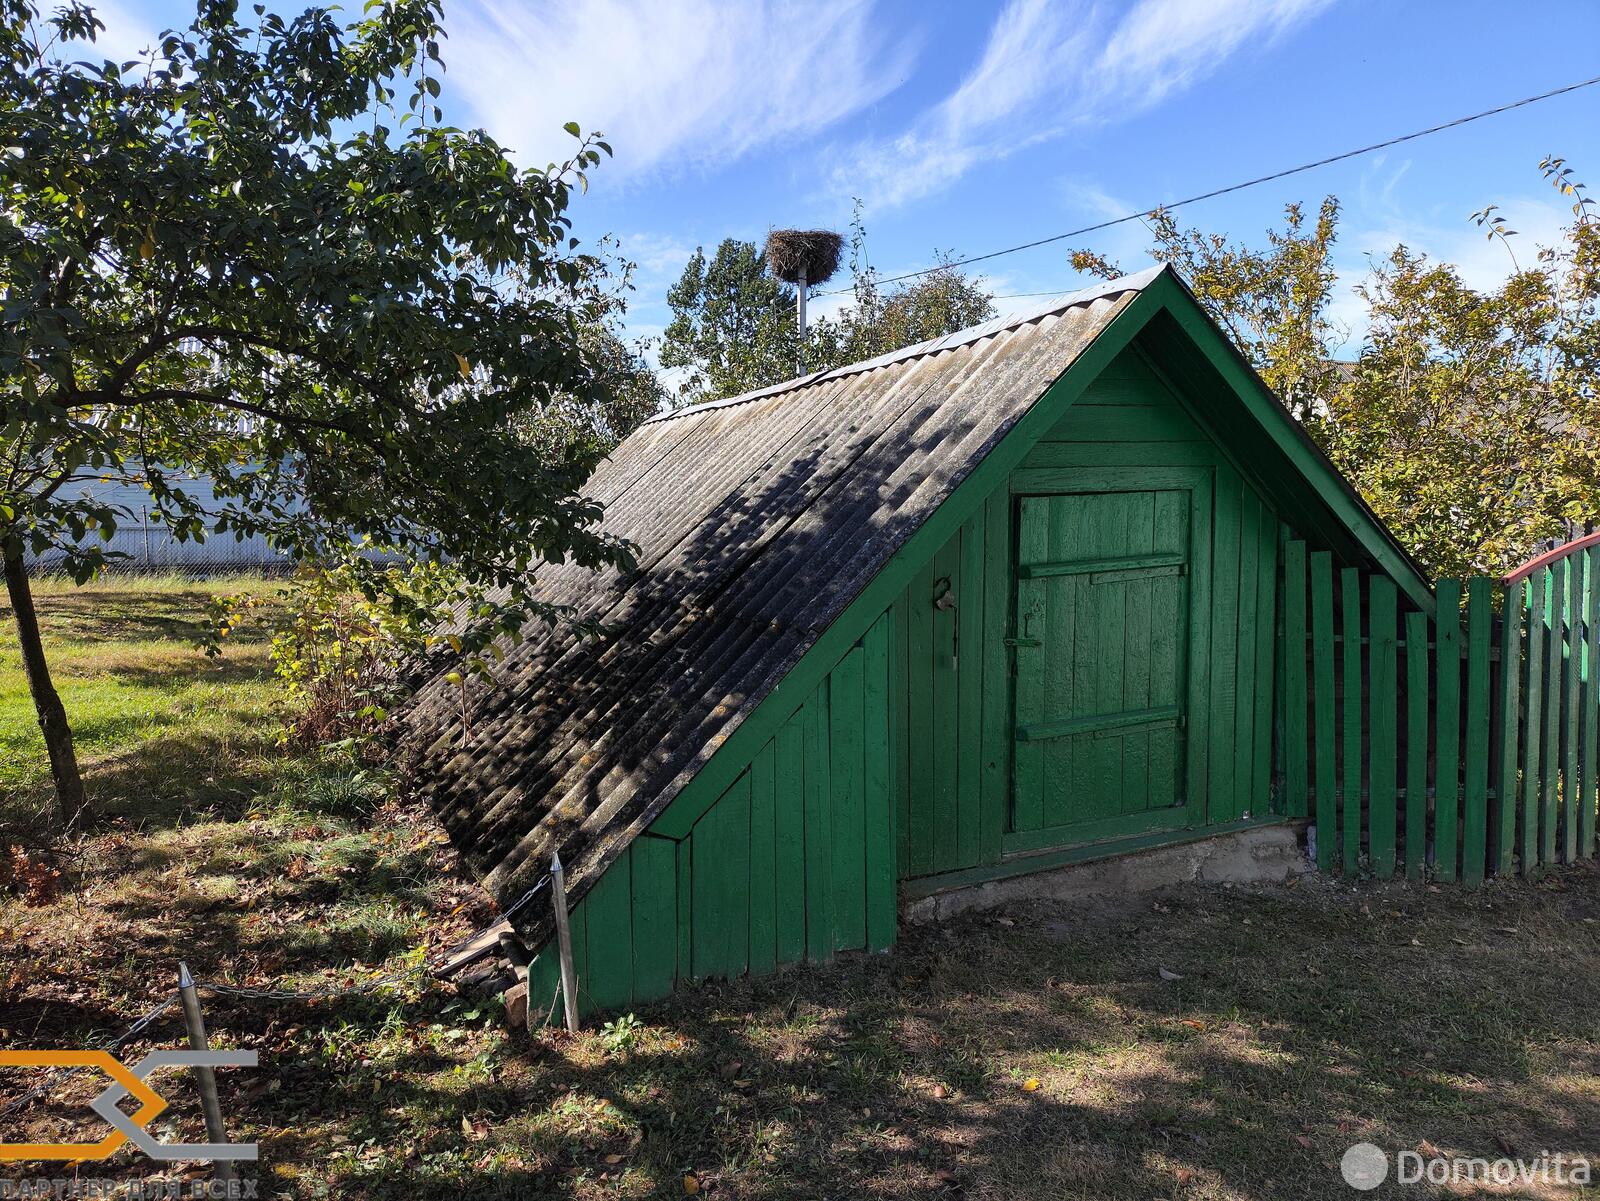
(162, 731)
(1039, 1052)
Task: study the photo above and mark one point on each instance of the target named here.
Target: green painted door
(1101, 638)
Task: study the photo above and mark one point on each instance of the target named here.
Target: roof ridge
(1051, 306)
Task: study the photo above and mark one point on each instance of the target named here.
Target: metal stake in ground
(205, 1077)
(569, 978)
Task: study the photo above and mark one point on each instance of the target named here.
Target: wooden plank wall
(796, 860)
(1457, 747)
(937, 704)
(1131, 416)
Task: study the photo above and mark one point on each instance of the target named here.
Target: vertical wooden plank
(920, 835)
(900, 728)
(544, 985)
(1590, 772)
(685, 889)
(1164, 676)
(1247, 684)
(996, 678)
(1508, 716)
(790, 834)
(879, 816)
(946, 567)
(846, 696)
(969, 685)
(1296, 702)
(655, 913)
(1533, 740)
(1382, 651)
(1475, 780)
(819, 828)
(1266, 687)
(1033, 542)
(610, 935)
(579, 922)
(1418, 693)
(1221, 774)
(1350, 793)
(1140, 646)
(721, 885)
(1089, 620)
(1570, 724)
(1447, 731)
(1550, 775)
(1323, 678)
(1197, 740)
(764, 861)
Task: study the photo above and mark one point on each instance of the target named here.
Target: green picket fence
(1465, 743)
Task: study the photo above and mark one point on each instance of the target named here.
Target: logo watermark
(151, 1188)
(1365, 1166)
(127, 1082)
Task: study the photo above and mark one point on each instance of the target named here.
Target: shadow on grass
(223, 670)
(128, 615)
(904, 1075)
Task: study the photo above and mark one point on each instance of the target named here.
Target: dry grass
(1305, 1019)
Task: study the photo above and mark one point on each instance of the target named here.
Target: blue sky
(968, 126)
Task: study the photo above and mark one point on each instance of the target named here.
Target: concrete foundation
(1264, 855)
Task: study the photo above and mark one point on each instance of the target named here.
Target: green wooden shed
(989, 605)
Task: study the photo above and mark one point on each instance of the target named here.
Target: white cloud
(127, 37)
(1369, 235)
(671, 83)
(1049, 66)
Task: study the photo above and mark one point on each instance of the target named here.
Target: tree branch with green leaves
(258, 257)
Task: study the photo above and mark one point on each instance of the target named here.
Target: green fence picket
(1475, 778)
(1323, 677)
(1550, 774)
(1573, 614)
(1296, 780)
(1509, 717)
(1350, 793)
(1532, 757)
(1589, 757)
(1383, 729)
(1418, 695)
(1447, 731)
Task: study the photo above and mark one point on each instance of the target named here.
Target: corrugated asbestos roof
(758, 519)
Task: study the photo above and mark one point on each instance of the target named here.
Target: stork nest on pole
(809, 254)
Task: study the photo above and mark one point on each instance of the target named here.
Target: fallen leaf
(1184, 1175)
(691, 1185)
(1031, 1084)
(940, 1092)
(1193, 1025)
(1167, 974)
(613, 1158)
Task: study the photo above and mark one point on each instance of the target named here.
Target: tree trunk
(70, 799)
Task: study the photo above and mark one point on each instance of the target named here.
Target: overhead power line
(1238, 187)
